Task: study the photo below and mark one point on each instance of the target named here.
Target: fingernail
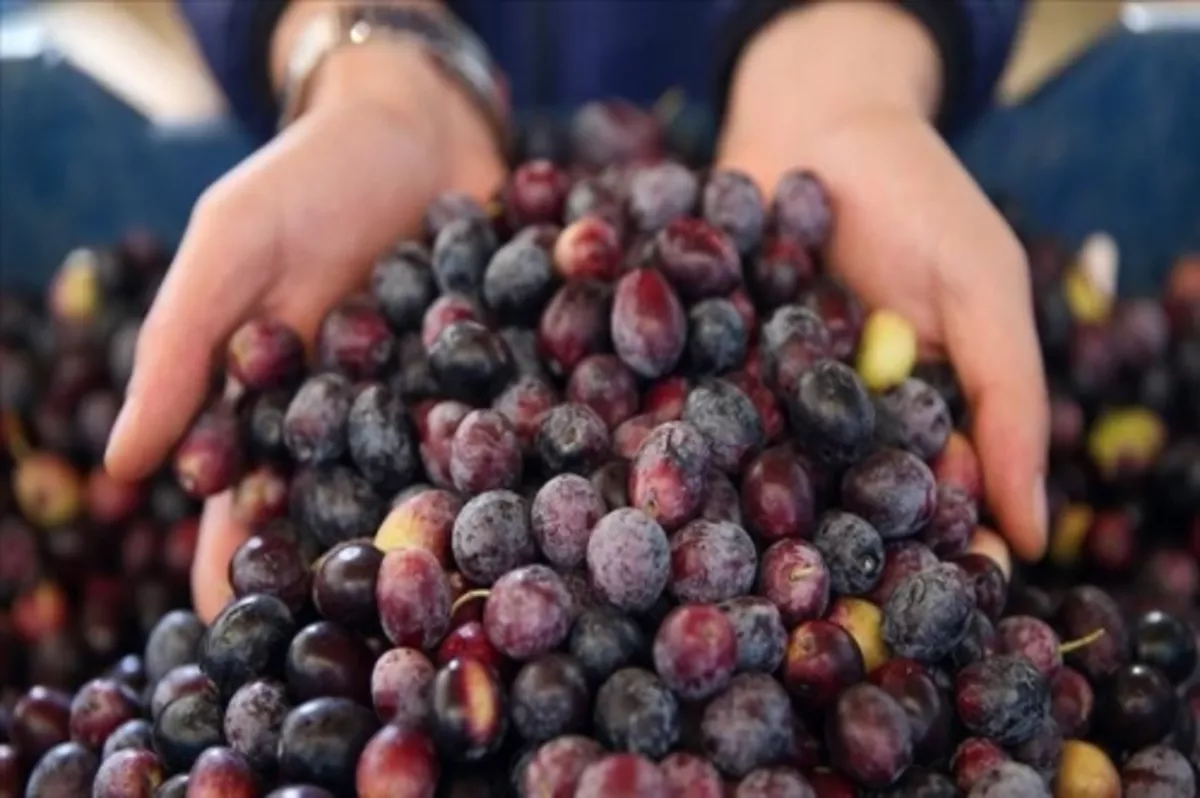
(118, 428)
(124, 417)
(1041, 513)
(986, 542)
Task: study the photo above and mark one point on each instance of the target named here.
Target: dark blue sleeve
(235, 37)
(974, 48)
(974, 38)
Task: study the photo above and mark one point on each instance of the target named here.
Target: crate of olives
(604, 489)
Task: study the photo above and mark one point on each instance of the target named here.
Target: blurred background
(108, 119)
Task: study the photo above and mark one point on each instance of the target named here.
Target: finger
(990, 337)
(986, 542)
(220, 535)
(217, 276)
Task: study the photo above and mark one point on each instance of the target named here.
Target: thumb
(990, 337)
(217, 277)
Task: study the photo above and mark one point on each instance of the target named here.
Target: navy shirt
(562, 53)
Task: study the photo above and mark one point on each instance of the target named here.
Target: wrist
(816, 66)
(398, 81)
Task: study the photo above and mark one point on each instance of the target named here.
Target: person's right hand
(287, 234)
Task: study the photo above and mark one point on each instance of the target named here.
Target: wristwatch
(456, 50)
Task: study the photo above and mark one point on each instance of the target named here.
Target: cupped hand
(287, 234)
(913, 233)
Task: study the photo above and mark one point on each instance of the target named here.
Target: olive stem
(1086, 640)
(467, 598)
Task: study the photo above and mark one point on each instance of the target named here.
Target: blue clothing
(79, 166)
(561, 53)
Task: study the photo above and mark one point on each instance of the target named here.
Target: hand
(287, 234)
(913, 232)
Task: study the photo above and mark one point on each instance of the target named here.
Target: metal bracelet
(453, 47)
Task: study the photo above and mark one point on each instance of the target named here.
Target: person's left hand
(915, 234)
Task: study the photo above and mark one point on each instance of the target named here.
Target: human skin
(914, 233)
(298, 225)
